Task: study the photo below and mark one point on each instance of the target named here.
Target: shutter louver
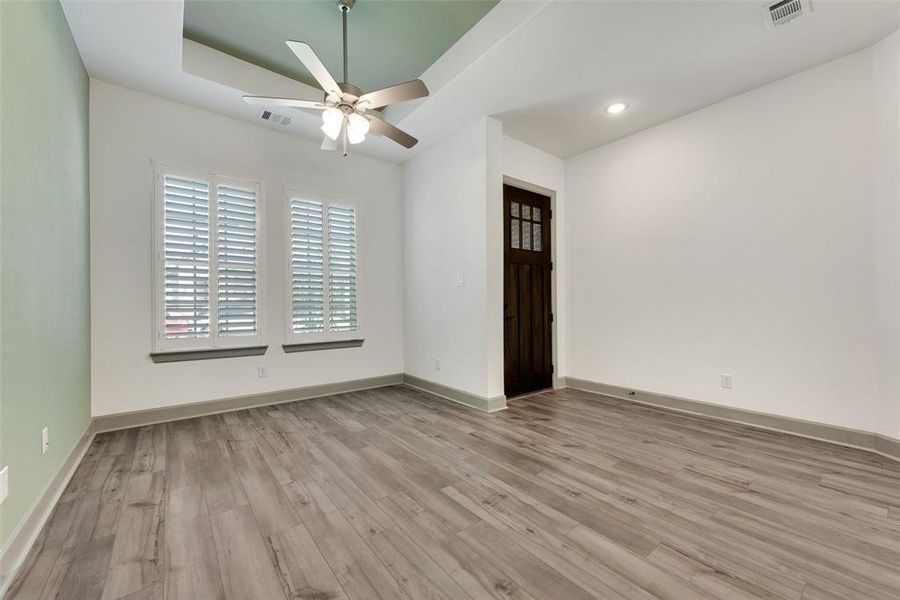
(236, 261)
(307, 282)
(186, 257)
(341, 269)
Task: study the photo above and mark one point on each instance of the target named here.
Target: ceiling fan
(345, 116)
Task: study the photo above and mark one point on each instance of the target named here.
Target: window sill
(312, 346)
(183, 355)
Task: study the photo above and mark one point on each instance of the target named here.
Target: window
(525, 227)
(341, 269)
(322, 270)
(208, 262)
(307, 267)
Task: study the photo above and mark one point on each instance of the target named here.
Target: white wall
(746, 238)
(453, 195)
(886, 115)
(128, 130)
(545, 173)
(445, 239)
(494, 230)
(757, 237)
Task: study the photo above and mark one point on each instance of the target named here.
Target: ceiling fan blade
(266, 101)
(311, 61)
(328, 143)
(384, 128)
(396, 93)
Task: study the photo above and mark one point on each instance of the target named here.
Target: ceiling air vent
(784, 11)
(282, 120)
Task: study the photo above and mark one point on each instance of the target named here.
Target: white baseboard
(482, 403)
(199, 409)
(834, 434)
(20, 541)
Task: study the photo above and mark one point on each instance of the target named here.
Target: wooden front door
(528, 344)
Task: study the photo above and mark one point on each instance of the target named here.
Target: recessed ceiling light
(616, 108)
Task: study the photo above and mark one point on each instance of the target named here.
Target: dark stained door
(528, 354)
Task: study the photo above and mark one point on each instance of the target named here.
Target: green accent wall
(389, 41)
(45, 373)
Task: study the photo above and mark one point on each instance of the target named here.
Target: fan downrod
(345, 6)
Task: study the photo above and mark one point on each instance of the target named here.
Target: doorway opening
(527, 292)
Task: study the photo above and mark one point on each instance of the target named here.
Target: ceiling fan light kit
(345, 119)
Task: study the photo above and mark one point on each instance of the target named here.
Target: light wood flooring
(395, 494)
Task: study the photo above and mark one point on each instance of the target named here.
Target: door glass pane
(514, 233)
(526, 211)
(514, 209)
(526, 235)
(538, 243)
(536, 214)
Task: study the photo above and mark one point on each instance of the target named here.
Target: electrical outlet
(437, 364)
(45, 440)
(726, 381)
(4, 484)
(262, 371)
(460, 280)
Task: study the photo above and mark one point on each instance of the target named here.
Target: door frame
(554, 240)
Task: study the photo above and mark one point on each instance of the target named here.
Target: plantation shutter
(237, 262)
(186, 257)
(341, 268)
(307, 282)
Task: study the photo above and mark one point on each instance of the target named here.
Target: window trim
(214, 341)
(292, 338)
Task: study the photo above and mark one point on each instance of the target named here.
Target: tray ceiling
(390, 41)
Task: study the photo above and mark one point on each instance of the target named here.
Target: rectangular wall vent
(282, 120)
(785, 11)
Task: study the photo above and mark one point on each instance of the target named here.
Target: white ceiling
(664, 58)
(545, 68)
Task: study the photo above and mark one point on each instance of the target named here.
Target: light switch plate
(45, 440)
(4, 484)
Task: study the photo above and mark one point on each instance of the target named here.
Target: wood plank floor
(395, 494)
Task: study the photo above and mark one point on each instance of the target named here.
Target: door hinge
(551, 317)
(551, 265)
(552, 369)
(550, 211)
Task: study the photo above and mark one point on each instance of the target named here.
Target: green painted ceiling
(390, 41)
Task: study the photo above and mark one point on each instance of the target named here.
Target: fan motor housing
(349, 89)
